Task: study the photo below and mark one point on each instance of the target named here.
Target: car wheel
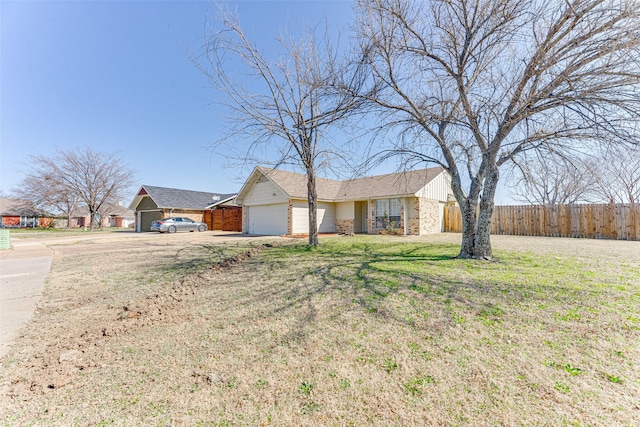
(201, 228)
(172, 229)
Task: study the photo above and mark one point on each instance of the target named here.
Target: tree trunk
(312, 198)
(482, 245)
(92, 220)
(68, 219)
(468, 209)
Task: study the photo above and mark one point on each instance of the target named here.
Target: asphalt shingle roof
(18, 207)
(167, 198)
(392, 184)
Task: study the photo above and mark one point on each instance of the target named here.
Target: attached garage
(326, 215)
(267, 219)
(153, 203)
(146, 218)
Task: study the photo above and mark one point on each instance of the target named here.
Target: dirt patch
(70, 354)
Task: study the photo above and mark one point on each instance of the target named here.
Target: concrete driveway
(23, 271)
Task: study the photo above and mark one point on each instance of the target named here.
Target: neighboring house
(22, 213)
(119, 216)
(275, 203)
(218, 211)
(109, 216)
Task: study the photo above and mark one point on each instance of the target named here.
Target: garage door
(326, 218)
(270, 220)
(146, 218)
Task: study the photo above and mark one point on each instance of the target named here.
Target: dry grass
(361, 331)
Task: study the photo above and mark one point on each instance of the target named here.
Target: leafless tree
(286, 105)
(617, 175)
(545, 179)
(77, 176)
(472, 84)
(42, 188)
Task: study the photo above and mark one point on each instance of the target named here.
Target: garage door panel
(146, 218)
(269, 220)
(326, 216)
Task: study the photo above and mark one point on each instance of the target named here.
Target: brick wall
(345, 226)
(194, 215)
(245, 220)
(429, 218)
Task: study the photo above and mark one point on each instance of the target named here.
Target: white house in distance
(275, 202)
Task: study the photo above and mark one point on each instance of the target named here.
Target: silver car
(171, 225)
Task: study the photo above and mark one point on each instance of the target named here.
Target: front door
(360, 217)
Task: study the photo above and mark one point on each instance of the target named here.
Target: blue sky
(115, 75)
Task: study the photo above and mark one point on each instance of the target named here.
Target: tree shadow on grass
(367, 277)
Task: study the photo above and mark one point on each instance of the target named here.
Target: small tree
(285, 115)
(76, 176)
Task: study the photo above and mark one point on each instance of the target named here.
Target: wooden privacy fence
(621, 222)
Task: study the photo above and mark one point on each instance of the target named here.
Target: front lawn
(365, 330)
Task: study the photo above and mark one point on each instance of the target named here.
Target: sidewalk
(23, 270)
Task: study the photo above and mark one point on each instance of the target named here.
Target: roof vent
(215, 198)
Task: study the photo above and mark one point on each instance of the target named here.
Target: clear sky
(116, 76)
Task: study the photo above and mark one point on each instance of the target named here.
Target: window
(388, 213)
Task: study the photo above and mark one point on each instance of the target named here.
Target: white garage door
(326, 218)
(270, 220)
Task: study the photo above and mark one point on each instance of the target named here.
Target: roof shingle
(377, 186)
(167, 198)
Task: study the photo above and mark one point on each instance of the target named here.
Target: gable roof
(19, 207)
(378, 186)
(295, 184)
(405, 183)
(174, 198)
(105, 210)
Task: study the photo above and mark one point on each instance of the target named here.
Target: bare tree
(43, 188)
(617, 175)
(473, 84)
(545, 179)
(292, 101)
(77, 176)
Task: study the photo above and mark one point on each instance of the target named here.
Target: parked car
(171, 225)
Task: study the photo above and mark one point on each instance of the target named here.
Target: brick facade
(174, 213)
(245, 221)
(345, 226)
